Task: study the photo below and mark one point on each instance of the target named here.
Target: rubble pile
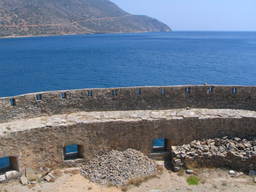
(30, 176)
(235, 153)
(119, 168)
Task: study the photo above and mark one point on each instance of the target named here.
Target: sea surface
(120, 60)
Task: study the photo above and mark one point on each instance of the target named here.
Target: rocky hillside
(51, 17)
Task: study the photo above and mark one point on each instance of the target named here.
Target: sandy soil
(215, 180)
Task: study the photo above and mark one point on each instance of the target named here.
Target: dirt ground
(214, 180)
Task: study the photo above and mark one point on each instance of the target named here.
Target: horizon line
(189, 30)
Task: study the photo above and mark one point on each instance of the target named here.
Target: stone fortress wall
(34, 128)
(137, 98)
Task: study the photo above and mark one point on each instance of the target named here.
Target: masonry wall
(43, 147)
(127, 99)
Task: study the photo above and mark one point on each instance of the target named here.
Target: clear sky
(220, 15)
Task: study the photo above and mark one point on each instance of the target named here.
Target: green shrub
(193, 180)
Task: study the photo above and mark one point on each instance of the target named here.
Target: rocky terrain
(234, 153)
(211, 180)
(56, 17)
(119, 168)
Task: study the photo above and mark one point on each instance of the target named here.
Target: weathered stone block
(12, 175)
(24, 180)
(2, 178)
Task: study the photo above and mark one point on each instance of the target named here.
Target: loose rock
(236, 153)
(232, 173)
(118, 168)
(48, 178)
(12, 175)
(24, 180)
(2, 178)
(189, 171)
(176, 169)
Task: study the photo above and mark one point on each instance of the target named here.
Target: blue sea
(119, 60)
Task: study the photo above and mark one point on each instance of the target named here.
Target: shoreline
(138, 32)
(50, 35)
(70, 34)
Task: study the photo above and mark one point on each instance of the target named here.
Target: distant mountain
(55, 17)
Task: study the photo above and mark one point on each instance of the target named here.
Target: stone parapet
(123, 99)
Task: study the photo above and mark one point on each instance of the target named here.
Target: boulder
(232, 173)
(2, 178)
(176, 169)
(12, 175)
(189, 171)
(24, 180)
(49, 177)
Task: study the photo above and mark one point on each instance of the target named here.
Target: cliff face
(51, 17)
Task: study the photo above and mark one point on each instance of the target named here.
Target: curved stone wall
(35, 128)
(39, 142)
(134, 98)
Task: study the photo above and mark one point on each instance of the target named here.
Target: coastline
(70, 34)
(48, 35)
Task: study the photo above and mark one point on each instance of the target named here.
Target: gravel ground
(211, 180)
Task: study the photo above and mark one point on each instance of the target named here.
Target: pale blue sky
(220, 15)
